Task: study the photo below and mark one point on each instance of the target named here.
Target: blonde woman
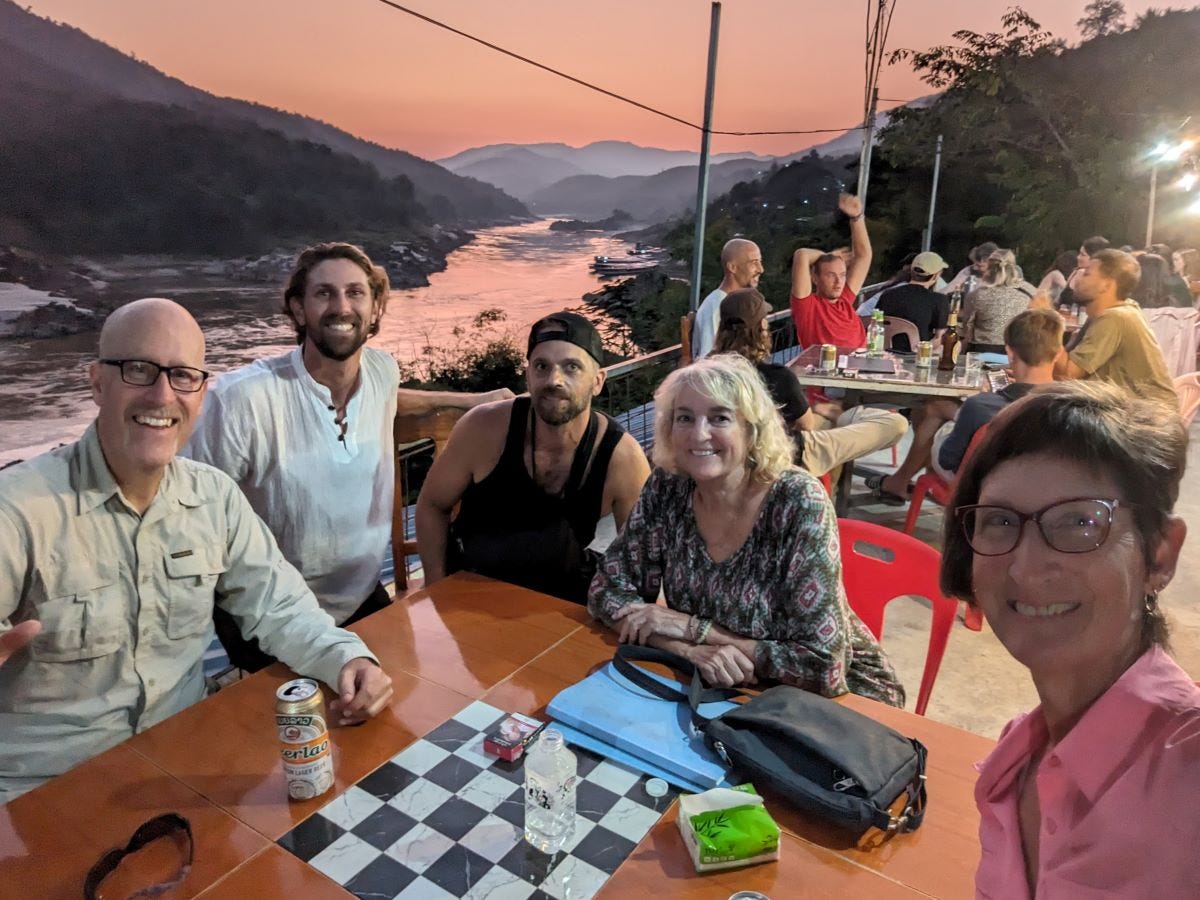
(1002, 294)
(742, 544)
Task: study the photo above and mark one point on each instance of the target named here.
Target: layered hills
(104, 153)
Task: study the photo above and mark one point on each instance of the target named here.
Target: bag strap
(696, 693)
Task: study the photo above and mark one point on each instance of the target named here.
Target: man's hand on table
(364, 690)
(17, 637)
(722, 665)
(641, 621)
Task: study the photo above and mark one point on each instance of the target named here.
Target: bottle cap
(656, 787)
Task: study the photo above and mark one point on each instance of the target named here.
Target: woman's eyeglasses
(1068, 526)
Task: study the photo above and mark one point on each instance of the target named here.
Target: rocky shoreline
(80, 292)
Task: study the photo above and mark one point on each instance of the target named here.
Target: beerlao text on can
(303, 739)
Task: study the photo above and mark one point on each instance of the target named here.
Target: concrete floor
(979, 686)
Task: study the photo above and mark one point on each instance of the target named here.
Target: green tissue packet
(735, 833)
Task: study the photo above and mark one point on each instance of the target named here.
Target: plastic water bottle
(549, 792)
(875, 335)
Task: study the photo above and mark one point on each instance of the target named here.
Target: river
(526, 270)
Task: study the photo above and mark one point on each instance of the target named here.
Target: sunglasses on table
(1069, 526)
(143, 373)
(165, 825)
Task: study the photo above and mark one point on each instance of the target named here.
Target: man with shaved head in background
(112, 554)
(741, 261)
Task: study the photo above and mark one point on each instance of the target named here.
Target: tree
(1101, 17)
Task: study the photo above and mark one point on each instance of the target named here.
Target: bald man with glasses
(113, 552)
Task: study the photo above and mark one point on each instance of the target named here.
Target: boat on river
(617, 265)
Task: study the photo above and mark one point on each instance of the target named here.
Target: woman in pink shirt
(1063, 534)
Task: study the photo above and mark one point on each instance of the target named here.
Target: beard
(346, 347)
(552, 411)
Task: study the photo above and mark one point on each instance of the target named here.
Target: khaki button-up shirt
(126, 604)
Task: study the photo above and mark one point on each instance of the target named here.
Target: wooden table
(466, 638)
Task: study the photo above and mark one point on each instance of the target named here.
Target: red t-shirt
(821, 321)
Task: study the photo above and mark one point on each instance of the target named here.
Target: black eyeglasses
(1069, 526)
(143, 373)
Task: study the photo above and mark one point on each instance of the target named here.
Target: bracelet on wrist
(703, 630)
(858, 218)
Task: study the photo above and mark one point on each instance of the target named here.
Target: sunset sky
(394, 79)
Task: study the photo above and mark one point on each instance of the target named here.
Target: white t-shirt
(328, 502)
(704, 329)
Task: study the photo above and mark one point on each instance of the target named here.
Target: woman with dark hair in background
(1063, 533)
(1181, 296)
(1153, 289)
(1055, 279)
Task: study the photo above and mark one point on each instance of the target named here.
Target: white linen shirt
(708, 320)
(126, 604)
(271, 427)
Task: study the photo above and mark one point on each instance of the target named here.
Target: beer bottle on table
(949, 344)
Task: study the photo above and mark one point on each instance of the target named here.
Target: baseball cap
(927, 263)
(570, 327)
(746, 306)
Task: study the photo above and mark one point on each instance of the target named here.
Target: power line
(596, 87)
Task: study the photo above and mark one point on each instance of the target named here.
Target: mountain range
(48, 68)
(650, 183)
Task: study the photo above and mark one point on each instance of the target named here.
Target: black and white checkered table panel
(444, 819)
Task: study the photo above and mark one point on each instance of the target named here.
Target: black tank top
(509, 528)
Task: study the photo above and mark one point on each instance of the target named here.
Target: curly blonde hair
(731, 381)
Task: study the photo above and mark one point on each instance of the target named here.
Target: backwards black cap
(570, 327)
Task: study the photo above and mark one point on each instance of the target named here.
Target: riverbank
(524, 270)
(43, 296)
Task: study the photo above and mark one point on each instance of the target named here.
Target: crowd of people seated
(260, 503)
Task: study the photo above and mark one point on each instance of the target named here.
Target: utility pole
(937, 169)
(864, 161)
(1153, 198)
(714, 30)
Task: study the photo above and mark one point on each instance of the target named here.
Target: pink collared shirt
(1119, 795)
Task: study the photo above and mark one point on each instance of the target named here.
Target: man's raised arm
(860, 241)
(802, 261)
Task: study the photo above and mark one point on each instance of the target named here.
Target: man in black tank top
(532, 476)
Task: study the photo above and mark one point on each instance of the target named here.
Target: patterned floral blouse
(783, 586)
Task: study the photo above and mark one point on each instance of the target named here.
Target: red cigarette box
(509, 739)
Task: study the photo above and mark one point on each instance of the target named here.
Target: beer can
(303, 739)
(828, 356)
(924, 354)
(748, 895)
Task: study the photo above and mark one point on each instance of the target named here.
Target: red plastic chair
(872, 583)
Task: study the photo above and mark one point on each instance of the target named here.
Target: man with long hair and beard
(308, 436)
(533, 476)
